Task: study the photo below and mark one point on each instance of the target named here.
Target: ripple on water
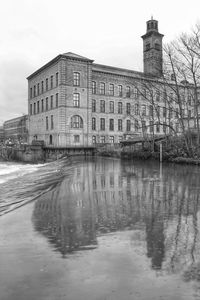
(21, 183)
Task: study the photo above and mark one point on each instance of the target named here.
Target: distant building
(1, 134)
(73, 101)
(16, 130)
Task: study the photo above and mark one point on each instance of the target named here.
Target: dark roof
(152, 32)
(116, 70)
(123, 72)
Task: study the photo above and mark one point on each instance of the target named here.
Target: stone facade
(59, 95)
(73, 101)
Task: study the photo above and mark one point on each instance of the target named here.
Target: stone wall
(27, 154)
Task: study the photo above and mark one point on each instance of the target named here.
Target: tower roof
(152, 28)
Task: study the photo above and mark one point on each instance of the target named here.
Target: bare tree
(173, 100)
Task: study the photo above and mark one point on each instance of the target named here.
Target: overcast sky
(32, 32)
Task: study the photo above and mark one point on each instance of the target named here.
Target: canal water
(111, 229)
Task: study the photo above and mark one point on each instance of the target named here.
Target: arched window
(76, 122)
(157, 46)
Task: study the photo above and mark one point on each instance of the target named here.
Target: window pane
(76, 79)
(111, 124)
(136, 109)
(143, 110)
(119, 107)
(128, 108)
(57, 100)
(76, 122)
(102, 124)
(94, 87)
(102, 88)
(111, 89)
(102, 106)
(47, 104)
(47, 85)
(76, 138)
(128, 125)
(111, 107)
(38, 88)
(47, 125)
(56, 79)
(51, 81)
(76, 100)
(128, 91)
(120, 90)
(52, 125)
(102, 139)
(51, 101)
(119, 125)
(94, 140)
(93, 123)
(38, 107)
(111, 139)
(93, 105)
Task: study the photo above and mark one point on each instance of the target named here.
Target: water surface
(111, 229)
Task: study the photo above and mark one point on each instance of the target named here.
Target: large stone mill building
(74, 101)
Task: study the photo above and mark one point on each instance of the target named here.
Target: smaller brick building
(16, 130)
(1, 134)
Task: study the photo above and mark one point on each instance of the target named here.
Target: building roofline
(51, 62)
(23, 116)
(149, 33)
(67, 55)
(122, 72)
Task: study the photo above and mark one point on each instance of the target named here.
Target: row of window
(50, 83)
(126, 91)
(106, 139)
(112, 90)
(111, 124)
(77, 122)
(139, 110)
(153, 127)
(44, 86)
(51, 125)
(44, 105)
(100, 139)
(102, 107)
(112, 139)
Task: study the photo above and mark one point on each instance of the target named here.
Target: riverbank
(36, 154)
(148, 155)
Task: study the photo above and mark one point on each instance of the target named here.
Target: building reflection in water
(106, 195)
(65, 215)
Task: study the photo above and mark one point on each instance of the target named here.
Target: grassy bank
(144, 155)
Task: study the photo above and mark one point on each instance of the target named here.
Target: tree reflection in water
(106, 195)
